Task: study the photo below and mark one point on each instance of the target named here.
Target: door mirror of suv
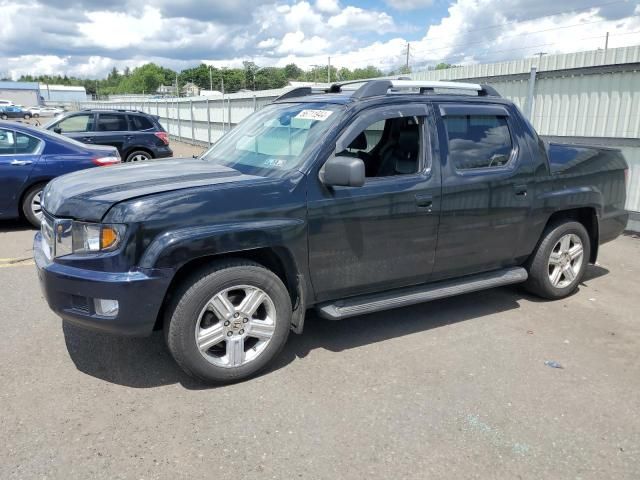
(57, 129)
(343, 172)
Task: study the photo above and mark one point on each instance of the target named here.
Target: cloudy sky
(88, 37)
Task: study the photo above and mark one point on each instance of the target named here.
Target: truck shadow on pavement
(146, 363)
(15, 226)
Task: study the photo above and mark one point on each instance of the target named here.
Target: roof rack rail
(382, 87)
(300, 92)
(374, 88)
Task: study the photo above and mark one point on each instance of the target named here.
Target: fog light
(106, 308)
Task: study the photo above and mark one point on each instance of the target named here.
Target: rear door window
(138, 122)
(77, 123)
(112, 122)
(478, 141)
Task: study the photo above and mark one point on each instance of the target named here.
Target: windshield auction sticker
(320, 115)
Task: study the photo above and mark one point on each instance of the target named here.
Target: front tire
(228, 322)
(560, 261)
(4, 117)
(138, 156)
(31, 205)
(27, 116)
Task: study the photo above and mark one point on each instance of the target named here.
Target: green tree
(293, 72)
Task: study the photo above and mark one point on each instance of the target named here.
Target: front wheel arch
(279, 261)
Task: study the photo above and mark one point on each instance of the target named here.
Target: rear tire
(558, 264)
(228, 322)
(4, 117)
(138, 156)
(31, 205)
(27, 116)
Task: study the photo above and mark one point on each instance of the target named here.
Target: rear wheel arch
(587, 216)
(131, 150)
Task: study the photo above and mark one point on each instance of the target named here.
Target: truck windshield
(275, 139)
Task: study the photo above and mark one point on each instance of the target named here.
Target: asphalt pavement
(456, 388)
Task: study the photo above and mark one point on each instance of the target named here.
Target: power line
(511, 22)
(573, 25)
(562, 12)
(445, 60)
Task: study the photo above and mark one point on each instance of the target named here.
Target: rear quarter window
(138, 122)
(478, 141)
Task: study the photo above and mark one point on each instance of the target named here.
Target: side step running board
(423, 293)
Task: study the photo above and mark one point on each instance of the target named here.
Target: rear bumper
(612, 225)
(70, 293)
(163, 152)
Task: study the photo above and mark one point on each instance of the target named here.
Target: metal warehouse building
(586, 97)
(62, 93)
(20, 93)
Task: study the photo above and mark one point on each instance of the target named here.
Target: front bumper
(70, 292)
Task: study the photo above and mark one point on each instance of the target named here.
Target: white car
(45, 111)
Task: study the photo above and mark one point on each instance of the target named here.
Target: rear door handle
(87, 139)
(424, 201)
(21, 163)
(520, 190)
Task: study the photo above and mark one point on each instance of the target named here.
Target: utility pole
(210, 79)
(406, 64)
(177, 90)
(540, 54)
(222, 83)
(606, 42)
(328, 69)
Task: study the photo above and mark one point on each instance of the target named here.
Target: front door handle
(424, 201)
(520, 190)
(87, 139)
(21, 163)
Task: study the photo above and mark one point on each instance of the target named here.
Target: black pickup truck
(349, 201)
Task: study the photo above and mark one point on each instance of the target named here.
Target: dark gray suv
(137, 135)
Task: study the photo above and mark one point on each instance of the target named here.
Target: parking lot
(456, 388)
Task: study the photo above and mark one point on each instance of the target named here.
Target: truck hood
(89, 194)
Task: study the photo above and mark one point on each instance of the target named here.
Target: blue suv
(137, 135)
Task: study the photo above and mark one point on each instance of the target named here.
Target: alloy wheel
(36, 205)
(565, 260)
(235, 326)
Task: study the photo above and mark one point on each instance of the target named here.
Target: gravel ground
(456, 388)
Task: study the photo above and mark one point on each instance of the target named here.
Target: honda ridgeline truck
(349, 201)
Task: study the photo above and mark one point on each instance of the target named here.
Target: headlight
(96, 237)
(83, 237)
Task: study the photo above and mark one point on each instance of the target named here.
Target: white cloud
(296, 43)
(113, 30)
(409, 4)
(327, 6)
(268, 43)
(355, 18)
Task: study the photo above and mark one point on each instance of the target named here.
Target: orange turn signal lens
(108, 238)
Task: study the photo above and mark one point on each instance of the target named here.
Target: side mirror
(57, 129)
(343, 172)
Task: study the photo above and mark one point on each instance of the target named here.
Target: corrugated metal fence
(586, 97)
